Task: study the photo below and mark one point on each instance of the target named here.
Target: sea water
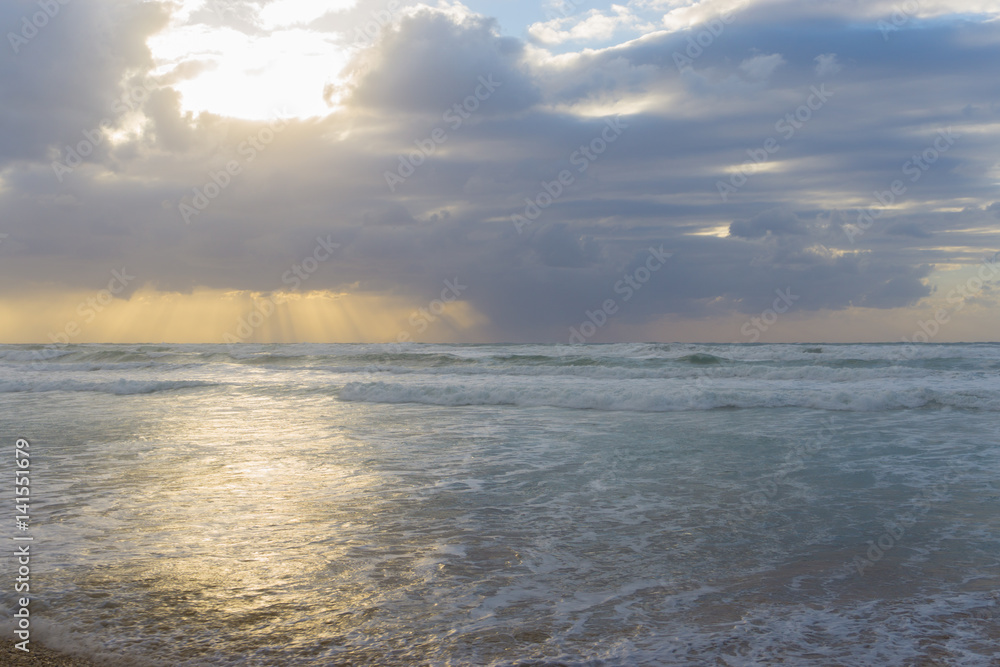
(633, 504)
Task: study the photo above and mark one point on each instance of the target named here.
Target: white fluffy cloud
(760, 67)
(594, 26)
(827, 65)
(285, 13)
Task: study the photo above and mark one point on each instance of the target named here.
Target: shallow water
(614, 504)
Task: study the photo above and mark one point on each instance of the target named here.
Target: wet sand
(39, 656)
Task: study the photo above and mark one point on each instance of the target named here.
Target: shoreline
(39, 656)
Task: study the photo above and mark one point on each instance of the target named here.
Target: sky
(213, 171)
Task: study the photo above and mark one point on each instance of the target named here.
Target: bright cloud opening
(231, 73)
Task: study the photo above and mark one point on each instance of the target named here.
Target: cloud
(655, 184)
(57, 85)
(773, 222)
(286, 13)
(760, 67)
(699, 12)
(595, 26)
(827, 65)
(432, 61)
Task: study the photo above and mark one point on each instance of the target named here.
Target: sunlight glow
(227, 72)
(720, 231)
(216, 316)
(284, 13)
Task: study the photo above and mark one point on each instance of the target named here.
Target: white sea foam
(674, 395)
(328, 504)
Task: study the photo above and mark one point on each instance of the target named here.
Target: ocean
(626, 504)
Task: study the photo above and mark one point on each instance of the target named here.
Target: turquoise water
(504, 505)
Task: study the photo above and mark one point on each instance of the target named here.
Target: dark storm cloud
(66, 77)
(686, 130)
(432, 60)
(774, 222)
